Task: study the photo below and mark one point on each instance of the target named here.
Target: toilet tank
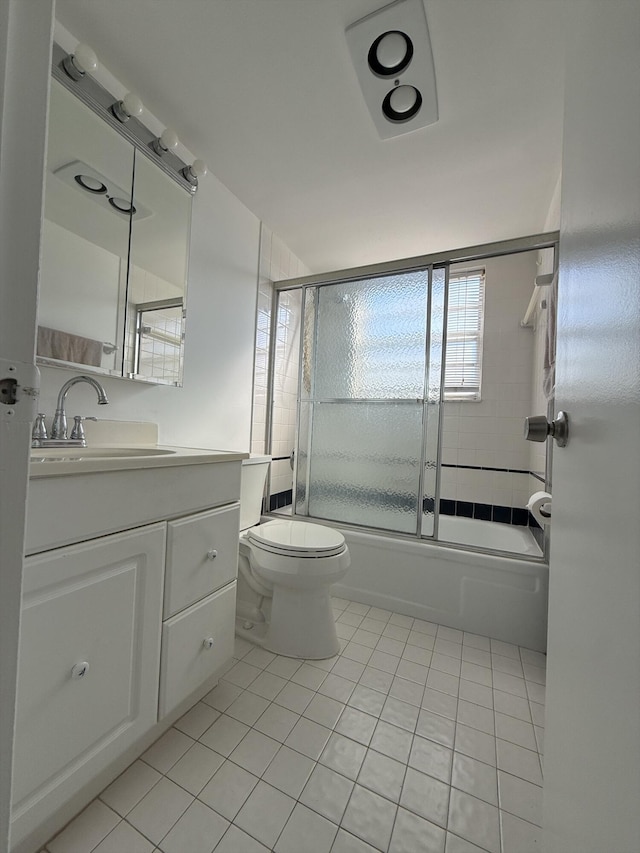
(254, 474)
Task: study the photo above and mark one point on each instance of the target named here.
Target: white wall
(277, 263)
(213, 409)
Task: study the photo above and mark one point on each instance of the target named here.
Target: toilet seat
(300, 539)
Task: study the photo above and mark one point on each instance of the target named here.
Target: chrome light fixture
(130, 105)
(167, 141)
(391, 53)
(77, 64)
(73, 71)
(198, 169)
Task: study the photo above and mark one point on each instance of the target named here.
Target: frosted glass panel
(370, 338)
(364, 466)
(301, 495)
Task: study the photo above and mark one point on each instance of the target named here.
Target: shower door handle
(537, 428)
(292, 459)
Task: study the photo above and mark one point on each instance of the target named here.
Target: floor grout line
(403, 713)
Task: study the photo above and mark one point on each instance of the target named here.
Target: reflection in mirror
(157, 275)
(159, 338)
(85, 238)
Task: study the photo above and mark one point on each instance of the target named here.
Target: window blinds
(465, 316)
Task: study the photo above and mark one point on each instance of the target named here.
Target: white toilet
(289, 565)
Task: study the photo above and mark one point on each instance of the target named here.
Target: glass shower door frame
(439, 261)
(427, 497)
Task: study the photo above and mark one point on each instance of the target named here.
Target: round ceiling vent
(402, 103)
(90, 184)
(122, 205)
(390, 53)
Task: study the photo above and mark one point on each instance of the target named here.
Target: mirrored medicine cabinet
(115, 248)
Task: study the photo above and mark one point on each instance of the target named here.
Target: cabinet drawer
(196, 643)
(202, 556)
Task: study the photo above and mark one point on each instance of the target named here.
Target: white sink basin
(69, 454)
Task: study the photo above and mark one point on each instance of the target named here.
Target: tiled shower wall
(277, 263)
(539, 402)
(486, 459)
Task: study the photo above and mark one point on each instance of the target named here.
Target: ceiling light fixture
(391, 53)
(79, 63)
(129, 106)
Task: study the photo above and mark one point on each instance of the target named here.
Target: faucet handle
(39, 431)
(77, 434)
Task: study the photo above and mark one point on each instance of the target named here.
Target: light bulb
(199, 168)
(77, 64)
(132, 105)
(85, 59)
(169, 139)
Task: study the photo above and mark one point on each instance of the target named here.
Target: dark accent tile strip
(488, 468)
(488, 512)
(280, 500)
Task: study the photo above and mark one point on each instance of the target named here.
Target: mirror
(115, 252)
(157, 274)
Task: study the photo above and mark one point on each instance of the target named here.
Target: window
(465, 319)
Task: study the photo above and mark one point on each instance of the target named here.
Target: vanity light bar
(98, 99)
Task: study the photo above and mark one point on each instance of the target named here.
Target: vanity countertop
(64, 461)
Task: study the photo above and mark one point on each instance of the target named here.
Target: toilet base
(302, 626)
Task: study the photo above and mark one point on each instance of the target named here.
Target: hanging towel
(52, 343)
(549, 364)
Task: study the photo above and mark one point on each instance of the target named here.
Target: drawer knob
(79, 670)
(212, 554)
(208, 643)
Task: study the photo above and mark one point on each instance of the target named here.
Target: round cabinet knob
(208, 643)
(212, 554)
(79, 670)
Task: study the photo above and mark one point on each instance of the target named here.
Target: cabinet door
(195, 644)
(89, 662)
(202, 556)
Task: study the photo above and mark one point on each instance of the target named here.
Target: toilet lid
(297, 538)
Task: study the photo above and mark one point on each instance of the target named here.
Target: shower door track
(545, 240)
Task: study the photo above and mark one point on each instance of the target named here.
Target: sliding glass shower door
(369, 392)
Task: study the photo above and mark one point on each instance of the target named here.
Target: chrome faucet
(59, 426)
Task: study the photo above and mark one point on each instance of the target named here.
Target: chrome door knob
(537, 428)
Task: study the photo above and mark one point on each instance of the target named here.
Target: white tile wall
(489, 433)
(538, 401)
(277, 262)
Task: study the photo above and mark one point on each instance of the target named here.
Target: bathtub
(473, 533)
(497, 596)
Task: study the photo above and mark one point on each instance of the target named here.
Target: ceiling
(264, 91)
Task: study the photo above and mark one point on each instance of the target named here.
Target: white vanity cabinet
(128, 618)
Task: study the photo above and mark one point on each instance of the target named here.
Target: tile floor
(417, 738)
